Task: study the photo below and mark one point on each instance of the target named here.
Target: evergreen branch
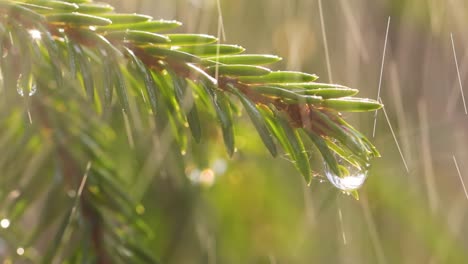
(59, 53)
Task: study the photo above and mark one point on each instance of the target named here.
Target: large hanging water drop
(351, 178)
(30, 88)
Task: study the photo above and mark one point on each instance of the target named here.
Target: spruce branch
(58, 56)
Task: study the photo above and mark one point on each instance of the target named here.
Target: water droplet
(31, 84)
(140, 209)
(35, 34)
(20, 251)
(14, 194)
(71, 193)
(205, 177)
(194, 175)
(352, 178)
(5, 223)
(219, 166)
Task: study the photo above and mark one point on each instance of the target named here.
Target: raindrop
(352, 177)
(204, 177)
(219, 166)
(71, 193)
(35, 34)
(140, 209)
(14, 194)
(207, 177)
(194, 175)
(5, 223)
(31, 90)
(20, 251)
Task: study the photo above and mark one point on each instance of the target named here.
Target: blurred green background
(256, 209)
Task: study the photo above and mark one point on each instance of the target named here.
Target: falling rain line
(458, 73)
(330, 77)
(325, 42)
(356, 35)
(394, 136)
(80, 190)
(460, 176)
(67, 232)
(374, 236)
(381, 74)
(343, 234)
(221, 33)
(428, 168)
(220, 21)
